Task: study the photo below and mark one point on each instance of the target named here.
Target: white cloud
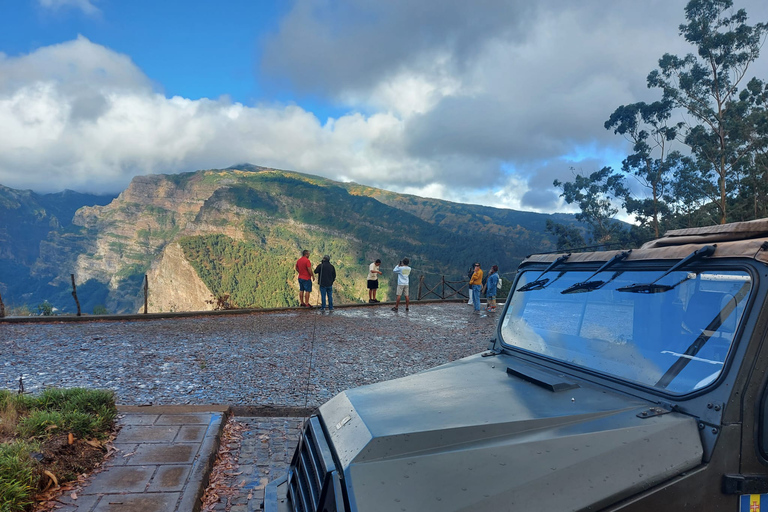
(485, 101)
(84, 5)
(78, 115)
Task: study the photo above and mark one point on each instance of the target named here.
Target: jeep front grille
(313, 481)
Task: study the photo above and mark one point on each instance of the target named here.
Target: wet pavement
(161, 464)
(289, 359)
(283, 358)
(264, 454)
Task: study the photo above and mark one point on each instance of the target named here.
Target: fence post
(2, 308)
(442, 294)
(74, 293)
(421, 283)
(146, 292)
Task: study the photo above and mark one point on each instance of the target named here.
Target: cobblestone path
(292, 357)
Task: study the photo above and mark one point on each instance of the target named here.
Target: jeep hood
(468, 436)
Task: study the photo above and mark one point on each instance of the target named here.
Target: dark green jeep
(624, 380)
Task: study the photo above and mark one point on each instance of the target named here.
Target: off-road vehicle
(621, 380)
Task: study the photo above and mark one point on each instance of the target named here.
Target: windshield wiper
(702, 338)
(588, 286)
(539, 283)
(653, 287)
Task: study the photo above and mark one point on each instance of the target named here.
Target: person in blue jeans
(491, 285)
(326, 275)
(476, 282)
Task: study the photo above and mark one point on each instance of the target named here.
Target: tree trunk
(74, 293)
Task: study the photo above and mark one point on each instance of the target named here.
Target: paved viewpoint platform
(164, 457)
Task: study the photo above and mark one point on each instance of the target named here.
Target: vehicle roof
(735, 240)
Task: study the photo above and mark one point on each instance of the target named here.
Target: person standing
(326, 276)
(373, 280)
(476, 283)
(304, 268)
(491, 286)
(403, 271)
(469, 287)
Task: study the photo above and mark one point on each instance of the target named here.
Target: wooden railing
(458, 291)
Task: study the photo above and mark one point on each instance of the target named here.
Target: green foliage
(250, 276)
(45, 309)
(40, 424)
(86, 413)
(594, 195)
(100, 309)
(725, 177)
(22, 310)
(134, 269)
(20, 403)
(568, 237)
(18, 476)
(725, 126)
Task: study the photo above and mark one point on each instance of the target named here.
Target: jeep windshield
(675, 340)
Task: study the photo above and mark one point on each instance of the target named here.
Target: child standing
(491, 288)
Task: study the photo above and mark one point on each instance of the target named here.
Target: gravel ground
(255, 359)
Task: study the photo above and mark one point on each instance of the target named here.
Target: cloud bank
(483, 102)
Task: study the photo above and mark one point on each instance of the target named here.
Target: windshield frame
(733, 358)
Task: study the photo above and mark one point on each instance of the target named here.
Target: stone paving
(163, 459)
(264, 453)
(289, 358)
(283, 358)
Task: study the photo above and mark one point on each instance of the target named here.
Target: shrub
(100, 309)
(86, 413)
(18, 476)
(40, 424)
(45, 309)
(22, 310)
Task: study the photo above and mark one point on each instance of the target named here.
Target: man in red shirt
(304, 268)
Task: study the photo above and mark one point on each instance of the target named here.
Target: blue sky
(190, 49)
(485, 102)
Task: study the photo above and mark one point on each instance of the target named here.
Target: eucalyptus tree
(652, 163)
(566, 236)
(595, 194)
(750, 122)
(707, 86)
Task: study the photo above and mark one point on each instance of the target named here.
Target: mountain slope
(243, 228)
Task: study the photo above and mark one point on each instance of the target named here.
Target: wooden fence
(443, 290)
(457, 291)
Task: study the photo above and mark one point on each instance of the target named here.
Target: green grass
(19, 479)
(29, 420)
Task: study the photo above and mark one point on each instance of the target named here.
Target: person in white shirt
(403, 271)
(373, 280)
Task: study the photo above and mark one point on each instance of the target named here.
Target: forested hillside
(243, 228)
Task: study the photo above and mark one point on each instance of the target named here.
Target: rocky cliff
(175, 286)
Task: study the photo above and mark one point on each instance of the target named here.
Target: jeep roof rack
(736, 240)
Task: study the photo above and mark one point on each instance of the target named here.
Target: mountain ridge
(257, 220)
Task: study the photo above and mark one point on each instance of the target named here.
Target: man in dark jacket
(326, 275)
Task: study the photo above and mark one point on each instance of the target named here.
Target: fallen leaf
(73, 496)
(52, 477)
(70, 438)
